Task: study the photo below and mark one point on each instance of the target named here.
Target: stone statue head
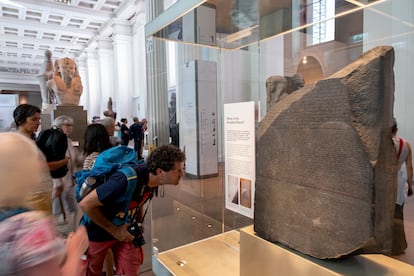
(66, 68)
(294, 83)
(297, 81)
(273, 82)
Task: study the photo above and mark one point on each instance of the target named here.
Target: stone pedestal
(78, 115)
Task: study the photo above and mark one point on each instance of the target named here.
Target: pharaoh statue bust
(66, 82)
(278, 87)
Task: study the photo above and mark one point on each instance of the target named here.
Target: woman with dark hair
(27, 119)
(96, 141)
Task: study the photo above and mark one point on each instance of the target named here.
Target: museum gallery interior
(283, 108)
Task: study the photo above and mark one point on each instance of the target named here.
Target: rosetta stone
(326, 166)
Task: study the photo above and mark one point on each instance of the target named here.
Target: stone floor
(65, 225)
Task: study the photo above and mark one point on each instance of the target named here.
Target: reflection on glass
(324, 29)
(238, 23)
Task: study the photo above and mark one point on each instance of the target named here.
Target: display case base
(218, 255)
(261, 257)
(246, 254)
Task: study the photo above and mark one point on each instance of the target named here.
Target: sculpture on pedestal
(48, 95)
(61, 89)
(66, 82)
(109, 112)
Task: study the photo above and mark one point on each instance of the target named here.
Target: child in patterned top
(28, 241)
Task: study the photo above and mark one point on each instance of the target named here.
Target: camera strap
(143, 201)
(145, 213)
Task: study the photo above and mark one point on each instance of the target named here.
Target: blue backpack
(119, 158)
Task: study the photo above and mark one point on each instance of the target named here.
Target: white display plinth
(198, 127)
(261, 257)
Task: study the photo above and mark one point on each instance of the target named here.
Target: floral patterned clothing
(26, 240)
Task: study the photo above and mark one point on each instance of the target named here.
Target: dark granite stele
(326, 165)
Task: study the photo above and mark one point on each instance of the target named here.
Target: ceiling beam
(20, 67)
(5, 50)
(9, 78)
(37, 41)
(20, 87)
(63, 30)
(20, 60)
(58, 8)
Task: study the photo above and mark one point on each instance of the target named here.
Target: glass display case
(245, 42)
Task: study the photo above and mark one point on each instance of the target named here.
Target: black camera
(136, 230)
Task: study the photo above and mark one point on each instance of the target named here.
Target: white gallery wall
(396, 30)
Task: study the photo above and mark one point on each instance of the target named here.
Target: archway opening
(310, 69)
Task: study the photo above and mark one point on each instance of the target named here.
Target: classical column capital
(121, 27)
(104, 43)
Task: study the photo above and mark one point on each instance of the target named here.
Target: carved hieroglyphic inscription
(325, 181)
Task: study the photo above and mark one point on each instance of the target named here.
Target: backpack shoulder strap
(131, 177)
(5, 214)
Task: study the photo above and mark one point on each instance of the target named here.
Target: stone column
(139, 70)
(157, 88)
(106, 72)
(94, 88)
(83, 72)
(122, 43)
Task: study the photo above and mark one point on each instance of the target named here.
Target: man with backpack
(116, 210)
